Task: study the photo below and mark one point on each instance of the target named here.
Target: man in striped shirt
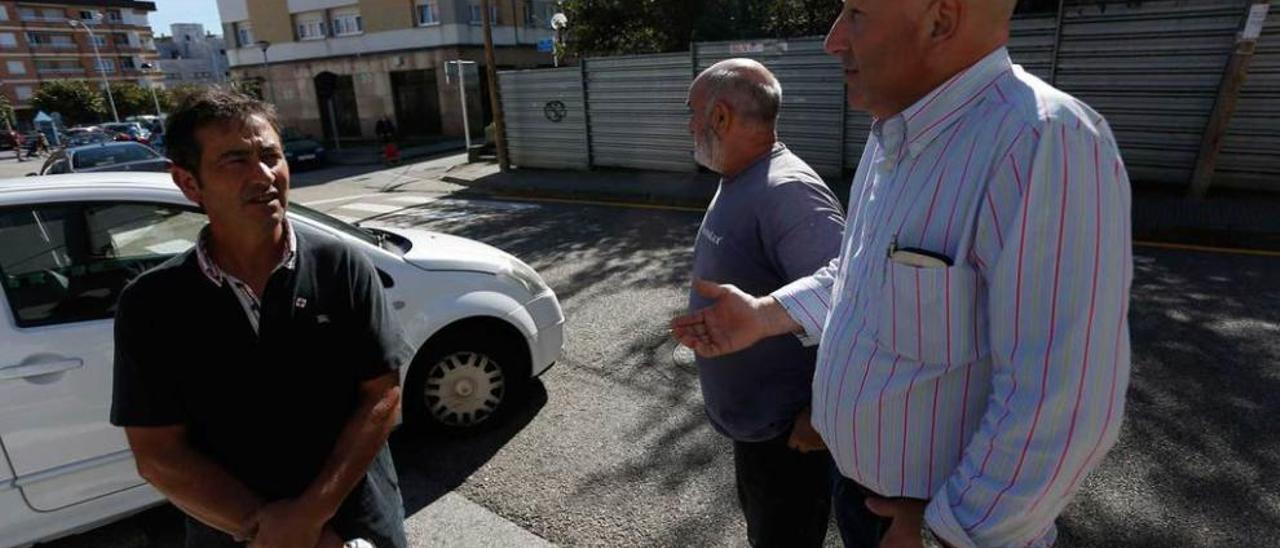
(974, 346)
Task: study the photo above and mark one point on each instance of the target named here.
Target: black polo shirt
(268, 406)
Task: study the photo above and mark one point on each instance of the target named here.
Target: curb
(613, 198)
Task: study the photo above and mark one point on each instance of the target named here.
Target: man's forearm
(361, 439)
(203, 489)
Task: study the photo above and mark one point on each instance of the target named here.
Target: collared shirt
(244, 294)
(993, 386)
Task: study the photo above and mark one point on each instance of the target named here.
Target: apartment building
(341, 65)
(192, 56)
(38, 43)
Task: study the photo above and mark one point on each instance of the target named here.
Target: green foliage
(8, 119)
(178, 93)
(133, 99)
(617, 27)
(78, 101)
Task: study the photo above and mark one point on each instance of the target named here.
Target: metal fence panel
(812, 94)
(546, 118)
(638, 114)
(1250, 157)
(1152, 69)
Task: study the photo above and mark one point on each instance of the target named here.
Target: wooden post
(495, 92)
(1228, 93)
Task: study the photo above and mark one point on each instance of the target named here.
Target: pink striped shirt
(990, 387)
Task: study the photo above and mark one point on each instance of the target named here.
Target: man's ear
(187, 183)
(721, 117)
(945, 19)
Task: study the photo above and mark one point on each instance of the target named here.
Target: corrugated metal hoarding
(638, 116)
(546, 118)
(1251, 152)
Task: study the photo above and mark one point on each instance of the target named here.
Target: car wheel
(466, 379)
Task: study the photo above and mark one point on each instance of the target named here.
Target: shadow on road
(432, 464)
(1197, 459)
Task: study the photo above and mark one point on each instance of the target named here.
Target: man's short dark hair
(203, 109)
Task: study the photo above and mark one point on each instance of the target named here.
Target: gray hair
(750, 90)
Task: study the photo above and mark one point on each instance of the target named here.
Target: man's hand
(907, 516)
(288, 524)
(803, 437)
(735, 321)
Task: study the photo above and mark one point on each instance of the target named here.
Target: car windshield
(107, 156)
(336, 224)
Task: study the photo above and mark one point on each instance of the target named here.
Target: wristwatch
(930, 540)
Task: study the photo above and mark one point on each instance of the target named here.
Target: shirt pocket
(931, 315)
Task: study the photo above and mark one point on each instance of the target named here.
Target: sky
(168, 12)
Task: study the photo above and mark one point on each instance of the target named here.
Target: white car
(484, 324)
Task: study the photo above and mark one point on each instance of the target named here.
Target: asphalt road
(614, 449)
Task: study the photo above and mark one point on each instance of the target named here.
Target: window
(77, 258)
(477, 14)
(428, 13)
(8, 40)
(27, 14)
(347, 22)
(244, 34)
(4, 13)
(86, 15)
(105, 65)
(24, 92)
(114, 16)
(310, 26)
(127, 63)
(100, 40)
(17, 67)
(54, 14)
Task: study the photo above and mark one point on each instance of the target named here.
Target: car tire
(466, 378)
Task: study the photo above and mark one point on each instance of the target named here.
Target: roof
(100, 180)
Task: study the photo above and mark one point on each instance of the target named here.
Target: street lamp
(93, 40)
(266, 70)
(152, 69)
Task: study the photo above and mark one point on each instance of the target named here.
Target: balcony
(59, 46)
(61, 70)
(43, 19)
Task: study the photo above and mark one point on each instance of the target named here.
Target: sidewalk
(1226, 218)
(363, 155)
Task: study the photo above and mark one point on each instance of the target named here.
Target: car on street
(128, 131)
(483, 324)
(85, 135)
(106, 156)
(302, 151)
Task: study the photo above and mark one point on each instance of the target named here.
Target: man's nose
(837, 41)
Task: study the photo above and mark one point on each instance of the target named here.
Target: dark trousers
(859, 527)
(785, 494)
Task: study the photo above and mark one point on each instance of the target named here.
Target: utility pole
(102, 69)
(495, 93)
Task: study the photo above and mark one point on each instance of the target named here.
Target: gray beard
(706, 150)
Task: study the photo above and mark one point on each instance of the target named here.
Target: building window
(54, 14)
(428, 13)
(24, 92)
(244, 34)
(8, 40)
(27, 14)
(127, 63)
(4, 13)
(105, 65)
(86, 15)
(17, 67)
(310, 26)
(347, 22)
(477, 14)
(114, 16)
(100, 40)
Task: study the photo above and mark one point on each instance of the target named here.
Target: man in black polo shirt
(256, 375)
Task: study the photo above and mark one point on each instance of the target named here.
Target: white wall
(233, 10)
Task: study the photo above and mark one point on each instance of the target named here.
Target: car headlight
(526, 276)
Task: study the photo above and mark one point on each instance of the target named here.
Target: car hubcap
(464, 388)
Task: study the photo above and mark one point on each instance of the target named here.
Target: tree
(179, 93)
(8, 118)
(132, 99)
(78, 101)
(613, 27)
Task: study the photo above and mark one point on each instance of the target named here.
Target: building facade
(192, 56)
(38, 43)
(336, 67)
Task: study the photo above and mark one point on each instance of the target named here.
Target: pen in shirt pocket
(917, 257)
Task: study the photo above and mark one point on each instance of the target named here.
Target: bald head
(745, 86)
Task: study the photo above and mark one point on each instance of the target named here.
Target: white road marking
(414, 200)
(372, 208)
(342, 199)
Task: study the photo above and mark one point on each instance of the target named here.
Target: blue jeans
(859, 528)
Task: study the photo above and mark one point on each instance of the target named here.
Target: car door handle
(41, 368)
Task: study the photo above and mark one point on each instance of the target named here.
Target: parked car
(104, 157)
(85, 135)
(303, 152)
(128, 131)
(483, 323)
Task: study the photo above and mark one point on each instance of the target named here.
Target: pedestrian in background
(974, 348)
(772, 221)
(256, 375)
